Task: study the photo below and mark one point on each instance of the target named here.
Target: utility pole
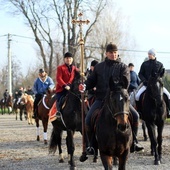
(9, 66)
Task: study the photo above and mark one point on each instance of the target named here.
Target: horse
(153, 112)
(133, 103)
(113, 129)
(28, 102)
(71, 121)
(6, 104)
(43, 109)
(18, 108)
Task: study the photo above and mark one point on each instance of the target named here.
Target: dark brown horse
(113, 129)
(43, 109)
(154, 114)
(6, 104)
(19, 109)
(71, 121)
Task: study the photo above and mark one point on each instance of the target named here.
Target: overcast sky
(149, 25)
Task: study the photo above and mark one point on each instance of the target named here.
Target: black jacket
(102, 73)
(148, 67)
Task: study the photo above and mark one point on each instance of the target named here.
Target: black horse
(113, 129)
(6, 104)
(71, 121)
(154, 114)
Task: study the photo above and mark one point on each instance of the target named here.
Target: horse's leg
(45, 126)
(21, 114)
(71, 149)
(38, 129)
(122, 160)
(144, 130)
(153, 140)
(160, 139)
(61, 159)
(107, 161)
(95, 146)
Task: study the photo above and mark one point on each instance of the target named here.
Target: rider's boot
(58, 113)
(135, 146)
(89, 149)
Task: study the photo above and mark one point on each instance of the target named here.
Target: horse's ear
(125, 82)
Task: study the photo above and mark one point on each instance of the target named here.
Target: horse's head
(155, 87)
(118, 104)
(75, 83)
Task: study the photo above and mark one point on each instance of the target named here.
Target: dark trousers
(38, 97)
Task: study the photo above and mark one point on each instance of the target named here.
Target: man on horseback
(134, 79)
(91, 92)
(19, 94)
(41, 85)
(65, 74)
(29, 91)
(146, 69)
(6, 94)
(111, 67)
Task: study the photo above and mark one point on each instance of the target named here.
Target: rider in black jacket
(111, 67)
(147, 67)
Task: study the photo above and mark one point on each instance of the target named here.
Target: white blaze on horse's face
(121, 98)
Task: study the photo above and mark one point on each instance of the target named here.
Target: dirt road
(20, 151)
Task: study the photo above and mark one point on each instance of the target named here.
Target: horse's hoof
(73, 167)
(38, 138)
(61, 160)
(95, 159)
(145, 138)
(45, 142)
(157, 162)
(83, 157)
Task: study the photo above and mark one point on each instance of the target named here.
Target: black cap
(94, 62)
(111, 47)
(68, 54)
(131, 64)
(41, 70)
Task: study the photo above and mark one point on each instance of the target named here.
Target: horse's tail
(55, 140)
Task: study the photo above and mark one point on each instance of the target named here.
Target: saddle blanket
(52, 113)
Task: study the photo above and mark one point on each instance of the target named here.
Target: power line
(87, 46)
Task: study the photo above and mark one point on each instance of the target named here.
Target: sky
(149, 26)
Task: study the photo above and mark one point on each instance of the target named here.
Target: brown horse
(43, 109)
(28, 102)
(6, 104)
(113, 129)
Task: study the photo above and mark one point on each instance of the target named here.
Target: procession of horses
(111, 124)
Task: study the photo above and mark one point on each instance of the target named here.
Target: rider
(19, 94)
(134, 79)
(91, 92)
(6, 94)
(29, 91)
(41, 85)
(100, 79)
(65, 74)
(145, 71)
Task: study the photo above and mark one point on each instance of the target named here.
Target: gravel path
(19, 150)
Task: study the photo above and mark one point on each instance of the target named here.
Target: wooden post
(80, 22)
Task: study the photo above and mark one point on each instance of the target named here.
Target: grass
(168, 121)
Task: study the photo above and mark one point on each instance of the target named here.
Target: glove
(82, 88)
(67, 87)
(145, 83)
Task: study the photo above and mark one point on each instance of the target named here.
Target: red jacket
(64, 77)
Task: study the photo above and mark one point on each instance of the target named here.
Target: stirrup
(58, 115)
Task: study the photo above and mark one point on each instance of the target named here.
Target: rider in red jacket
(64, 77)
